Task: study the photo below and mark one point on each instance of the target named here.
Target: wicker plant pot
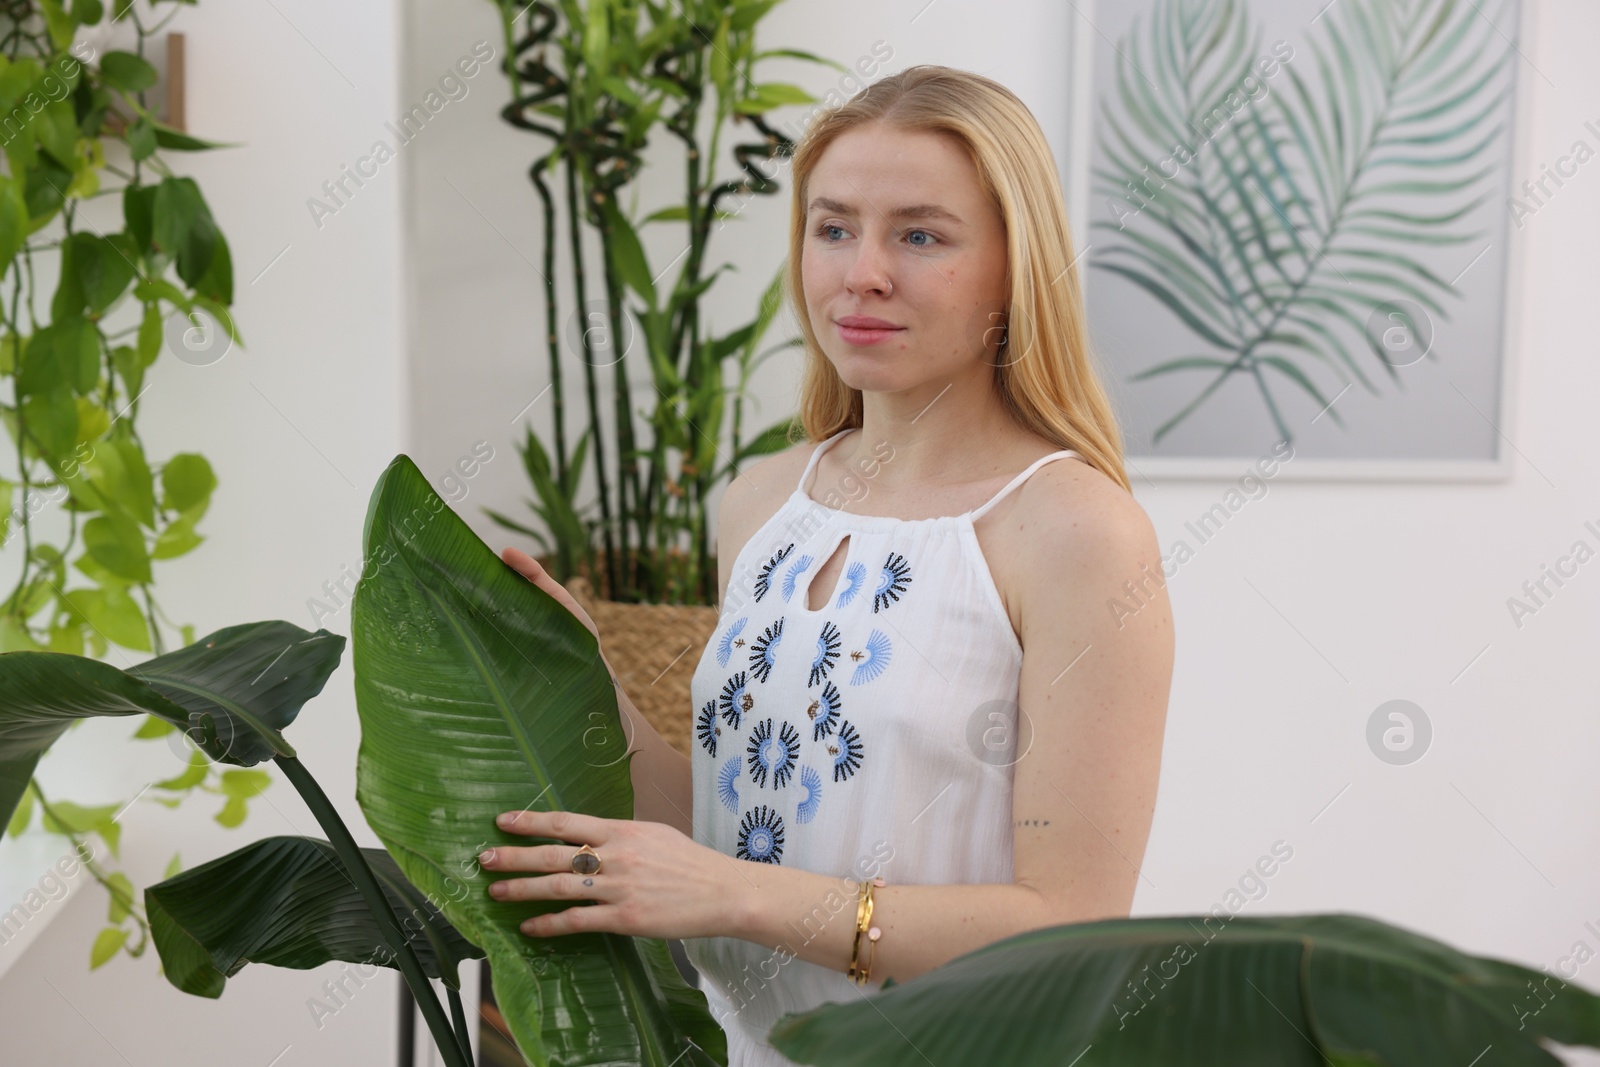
(654, 649)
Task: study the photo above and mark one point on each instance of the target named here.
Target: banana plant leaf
(479, 693)
(1279, 991)
(232, 692)
(287, 901)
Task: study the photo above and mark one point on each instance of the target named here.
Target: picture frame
(1430, 418)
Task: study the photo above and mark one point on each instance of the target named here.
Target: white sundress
(874, 736)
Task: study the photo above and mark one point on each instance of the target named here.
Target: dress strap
(811, 464)
(1019, 479)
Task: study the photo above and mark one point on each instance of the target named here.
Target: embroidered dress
(874, 735)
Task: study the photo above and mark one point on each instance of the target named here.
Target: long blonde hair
(1054, 390)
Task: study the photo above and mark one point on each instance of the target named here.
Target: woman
(918, 686)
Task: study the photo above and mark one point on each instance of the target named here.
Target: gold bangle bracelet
(864, 908)
(863, 894)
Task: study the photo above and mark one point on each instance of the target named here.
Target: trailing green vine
(85, 310)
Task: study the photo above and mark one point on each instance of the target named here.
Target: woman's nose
(868, 271)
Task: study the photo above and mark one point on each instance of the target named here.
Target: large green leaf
(1204, 991)
(231, 691)
(287, 901)
(479, 693)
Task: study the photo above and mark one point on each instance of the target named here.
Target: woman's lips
(859, 335)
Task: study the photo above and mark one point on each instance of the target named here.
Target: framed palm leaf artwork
(1302, 228)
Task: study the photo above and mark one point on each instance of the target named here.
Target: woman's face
(899, 230)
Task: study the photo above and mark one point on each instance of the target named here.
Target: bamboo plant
(84, 307)
(596, 80)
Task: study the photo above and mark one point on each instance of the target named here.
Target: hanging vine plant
(87, 511)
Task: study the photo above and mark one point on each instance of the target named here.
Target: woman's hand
(652, 882)
(529, 568)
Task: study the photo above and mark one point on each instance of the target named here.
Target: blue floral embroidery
(726, 646)
(811, 782)
(763, 648)
(846, 752)
(792, 573)
(856, 575)
(763, 754)
(764, 579)
(893, 581)
(871, 661)
(735, 700)
(726, 790)
(707, 728)
(824, 712)
(827, 653)
(761, 836)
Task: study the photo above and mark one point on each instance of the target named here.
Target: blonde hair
(1053, 390)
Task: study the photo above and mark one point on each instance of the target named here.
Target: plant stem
(367, 883)
(85, 856)
(459, 1016)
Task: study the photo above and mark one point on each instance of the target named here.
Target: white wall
(298, 425)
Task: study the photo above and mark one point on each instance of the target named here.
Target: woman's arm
(662, 785)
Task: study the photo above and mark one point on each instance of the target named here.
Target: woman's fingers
(558, 886)
(530, 569)
(571, 826)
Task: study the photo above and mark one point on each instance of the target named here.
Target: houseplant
(84, 310)
(479, 693)
(596, 80)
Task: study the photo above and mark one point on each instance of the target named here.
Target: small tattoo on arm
(1033, 822)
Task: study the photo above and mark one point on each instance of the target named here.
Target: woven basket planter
(654, 649)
